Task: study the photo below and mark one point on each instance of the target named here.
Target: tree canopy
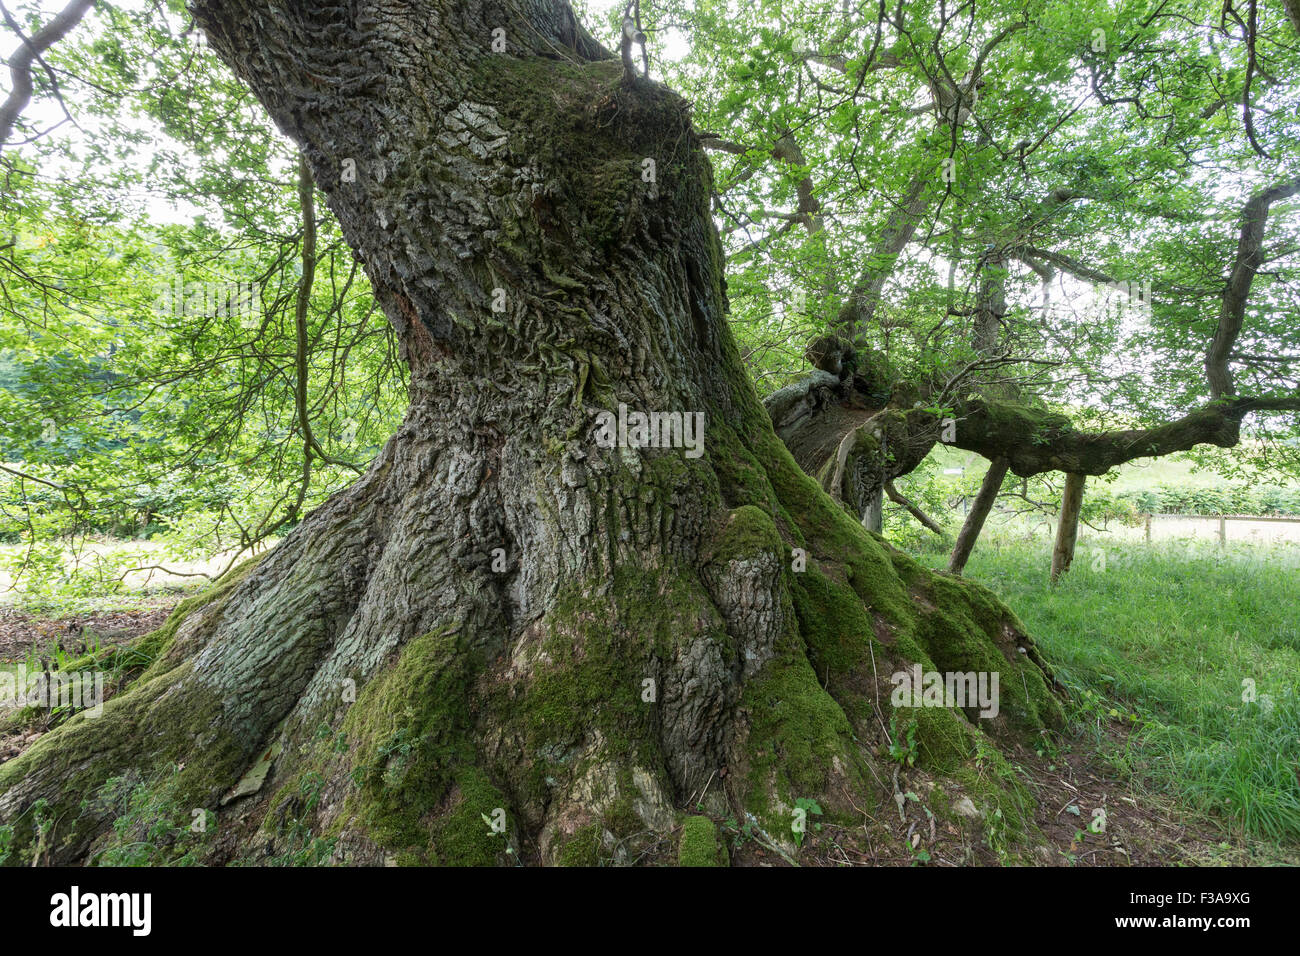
(1069, 230)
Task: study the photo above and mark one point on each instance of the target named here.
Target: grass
(1201, 648)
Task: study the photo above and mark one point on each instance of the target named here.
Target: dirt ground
(24, 636)
(32, 638)
(1139, 828)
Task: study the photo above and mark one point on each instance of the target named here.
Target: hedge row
(1164, 499)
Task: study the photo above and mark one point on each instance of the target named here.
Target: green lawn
(1172, 636)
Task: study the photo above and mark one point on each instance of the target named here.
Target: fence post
(1223, 531)
(1148, 529)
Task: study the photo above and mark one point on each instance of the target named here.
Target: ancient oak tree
(508, 638)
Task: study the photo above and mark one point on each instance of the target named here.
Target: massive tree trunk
(572, 641)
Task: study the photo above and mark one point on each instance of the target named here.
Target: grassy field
(1200, 649)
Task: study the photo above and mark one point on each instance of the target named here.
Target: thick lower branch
(832, 426)
(1035, 441)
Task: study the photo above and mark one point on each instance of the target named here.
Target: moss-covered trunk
(514, 637)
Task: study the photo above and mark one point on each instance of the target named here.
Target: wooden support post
(970, 529)
(1067, 532)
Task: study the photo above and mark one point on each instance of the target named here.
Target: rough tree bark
(873, 518)
(577, 640)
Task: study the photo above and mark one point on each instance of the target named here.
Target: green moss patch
(583, 848)
(420, 792)
(798, 734)
(699, 844)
